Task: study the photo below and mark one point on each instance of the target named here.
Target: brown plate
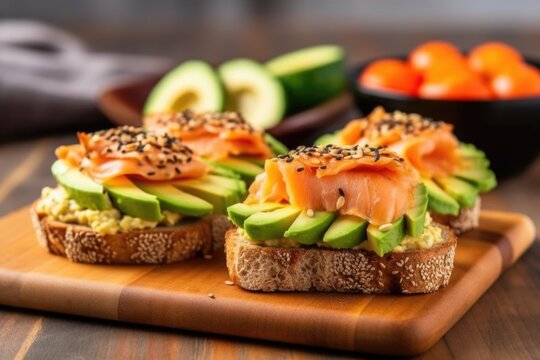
(123, 105)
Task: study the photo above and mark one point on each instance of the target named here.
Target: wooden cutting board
(178, 296)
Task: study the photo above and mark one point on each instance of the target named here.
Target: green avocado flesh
(384, 241)
(483, 179)
(172, 199)
(192, 85)
(331, 138)
(308, 230)
(221, 171)
(238, 213)
(439, 201)
(415, 217)
(236, 185)
(270, 225)
(132, 201)
(219, 197)
(277, 147)
(310, 76)
(254, 92)
(247, 170)
(346, 232)
(81, 188)
(463, 192)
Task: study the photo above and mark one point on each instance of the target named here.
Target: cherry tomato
(493, 57)
(430, 53)
(390, 75)
(461, 84)
(518, 81)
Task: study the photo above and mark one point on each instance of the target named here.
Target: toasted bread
(260, 268)
(161, 245)
(467, 219)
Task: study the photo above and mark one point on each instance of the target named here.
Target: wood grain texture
(177, 296)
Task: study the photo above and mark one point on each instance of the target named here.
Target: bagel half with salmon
(126, 196)
(338, 219)
(455, 174)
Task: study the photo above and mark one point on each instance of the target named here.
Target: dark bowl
(507, 130)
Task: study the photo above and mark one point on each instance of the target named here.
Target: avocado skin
(132, 201)
(80, 187)
(384, 241)
(346, 232)
(308, 230)
(238, 213)
(270, 225)
(415, 217)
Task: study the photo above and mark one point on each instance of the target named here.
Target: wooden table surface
(504, 323)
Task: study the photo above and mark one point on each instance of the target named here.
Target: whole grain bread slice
(261, 268)
(161, 245)
(466, 220)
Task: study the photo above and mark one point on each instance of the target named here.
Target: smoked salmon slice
(369, 182)
(212, 135)
(430, 146)
(130, 150)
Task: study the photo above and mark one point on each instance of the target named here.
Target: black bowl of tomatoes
(492, 99)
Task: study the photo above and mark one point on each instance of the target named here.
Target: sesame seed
(300, 169)
(229, 283)
(385, 227)
(309, 212)
(211, 296)
(208, 256)
(340, 202)
(341, 192)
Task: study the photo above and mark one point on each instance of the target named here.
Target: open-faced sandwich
(345, 219)
(231, 145)
(128, 196)
(454, 173)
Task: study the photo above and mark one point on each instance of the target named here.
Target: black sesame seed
(341, 192)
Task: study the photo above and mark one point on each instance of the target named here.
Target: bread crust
(466, 220)
(162, 245)
(259, 268)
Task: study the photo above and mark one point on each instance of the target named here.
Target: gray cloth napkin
(50, 81)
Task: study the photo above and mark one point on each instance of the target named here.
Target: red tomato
(518, 81)
(493, 57)
(428, 54)
(460, 84)
(390, 75)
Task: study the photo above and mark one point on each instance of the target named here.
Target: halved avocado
(310, 229)
(131, 200)
(80, 187)
(384, 241)
(416, 216)
(439, 201)
(464, 193)
(173, 199)
(346, 232)
(310, 76)
(254, 92)
(238, 213)
(247, 170)
(270, 225)
(191, 85)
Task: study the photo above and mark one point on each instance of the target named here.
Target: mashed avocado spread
(55, 202)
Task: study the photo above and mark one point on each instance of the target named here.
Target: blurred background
(159, 34)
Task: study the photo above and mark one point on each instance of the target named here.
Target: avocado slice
(219, 197)
(310, 76)
(439, 201)
(270, 225)
(472, 154)
(80, 187)
(131, 200)
(192, 85)
(236, 185)
(308, 230)
(384, 241)
(238, 213)
(462, 191)
(254, 92)
(415, 217)
(346, 232)
(483, 179)
(221, 171)
(331, 138)
(247, 170)
(172, 199)
(277, 147)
